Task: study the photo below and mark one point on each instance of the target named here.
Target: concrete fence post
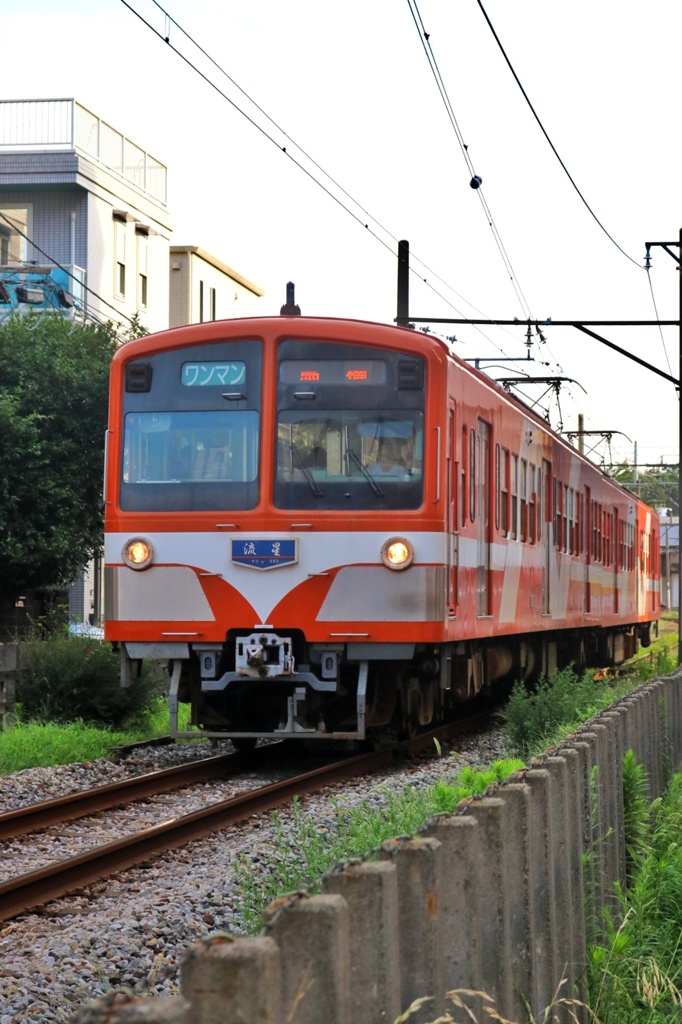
(491, 815)
(312, 933)
(9, 663)
(419, 877)
(616, 722)
(370, 888)
(518, 868)
(574, 808)
(458, 835)
(121, 1008)
(233, 979)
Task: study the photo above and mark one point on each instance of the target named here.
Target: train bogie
(335, 529)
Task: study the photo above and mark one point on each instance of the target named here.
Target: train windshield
(350, 427)
(194, 457)
(192, 429)
(348, 459)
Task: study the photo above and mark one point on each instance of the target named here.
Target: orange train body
(298, 584)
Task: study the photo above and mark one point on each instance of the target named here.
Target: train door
(546, 526)
(481, 505)
(453, 535)
(589, 512)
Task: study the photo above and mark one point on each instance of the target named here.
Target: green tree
(53, 409)
(658, 486)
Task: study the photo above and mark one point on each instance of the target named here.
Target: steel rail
(35, 817)
(35, 888)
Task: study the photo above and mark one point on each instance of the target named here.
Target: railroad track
(33, 889)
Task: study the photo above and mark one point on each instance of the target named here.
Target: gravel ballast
(133, 929)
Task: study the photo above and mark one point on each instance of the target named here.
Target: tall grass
(536, 718)
(37, 744)
(300, 851)
(636, 974)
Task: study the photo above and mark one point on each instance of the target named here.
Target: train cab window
(513, 532)
(350, 427)
(191, 435)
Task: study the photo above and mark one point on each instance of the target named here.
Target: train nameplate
(264, 554)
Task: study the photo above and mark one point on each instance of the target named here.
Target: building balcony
(60, 125)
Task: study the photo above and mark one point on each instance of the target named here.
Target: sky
(309, 137)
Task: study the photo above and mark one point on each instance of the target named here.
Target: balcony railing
(54, 125)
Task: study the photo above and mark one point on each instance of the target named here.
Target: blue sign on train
(264, 554)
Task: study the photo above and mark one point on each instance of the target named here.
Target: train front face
(267, 534)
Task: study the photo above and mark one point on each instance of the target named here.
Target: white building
(77, 194)
(202, 288)
(84, 228)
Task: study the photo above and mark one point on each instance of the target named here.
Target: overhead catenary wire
(475, 179)
(551, 144)
(364, 220)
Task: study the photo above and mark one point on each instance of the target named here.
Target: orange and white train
(335, 529)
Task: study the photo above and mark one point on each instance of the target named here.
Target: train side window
(564, 535)
(523, 494)
(465, 434)
(498, 486)
(531, 507)
(600, 528)
(556, 518)
(504, 493)
(541, 510)
(514, 497)
(472, 475)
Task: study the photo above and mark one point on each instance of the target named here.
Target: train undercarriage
(274, 684)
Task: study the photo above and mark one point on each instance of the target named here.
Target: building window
(212, 303)
(201, 302)
(119, 257)
(13, 228)
(142, 273)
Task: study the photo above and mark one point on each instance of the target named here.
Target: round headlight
(397, 553)
(138, 553)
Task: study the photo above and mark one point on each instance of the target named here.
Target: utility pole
(668, 246)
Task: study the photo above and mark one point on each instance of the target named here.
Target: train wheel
(427, 702)
(419, 705)
(382, 698)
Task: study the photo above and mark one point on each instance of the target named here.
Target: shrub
(65, 678)
(534, 718)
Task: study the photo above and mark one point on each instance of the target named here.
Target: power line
(285, 150)
(476, 180)
(551, 144)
